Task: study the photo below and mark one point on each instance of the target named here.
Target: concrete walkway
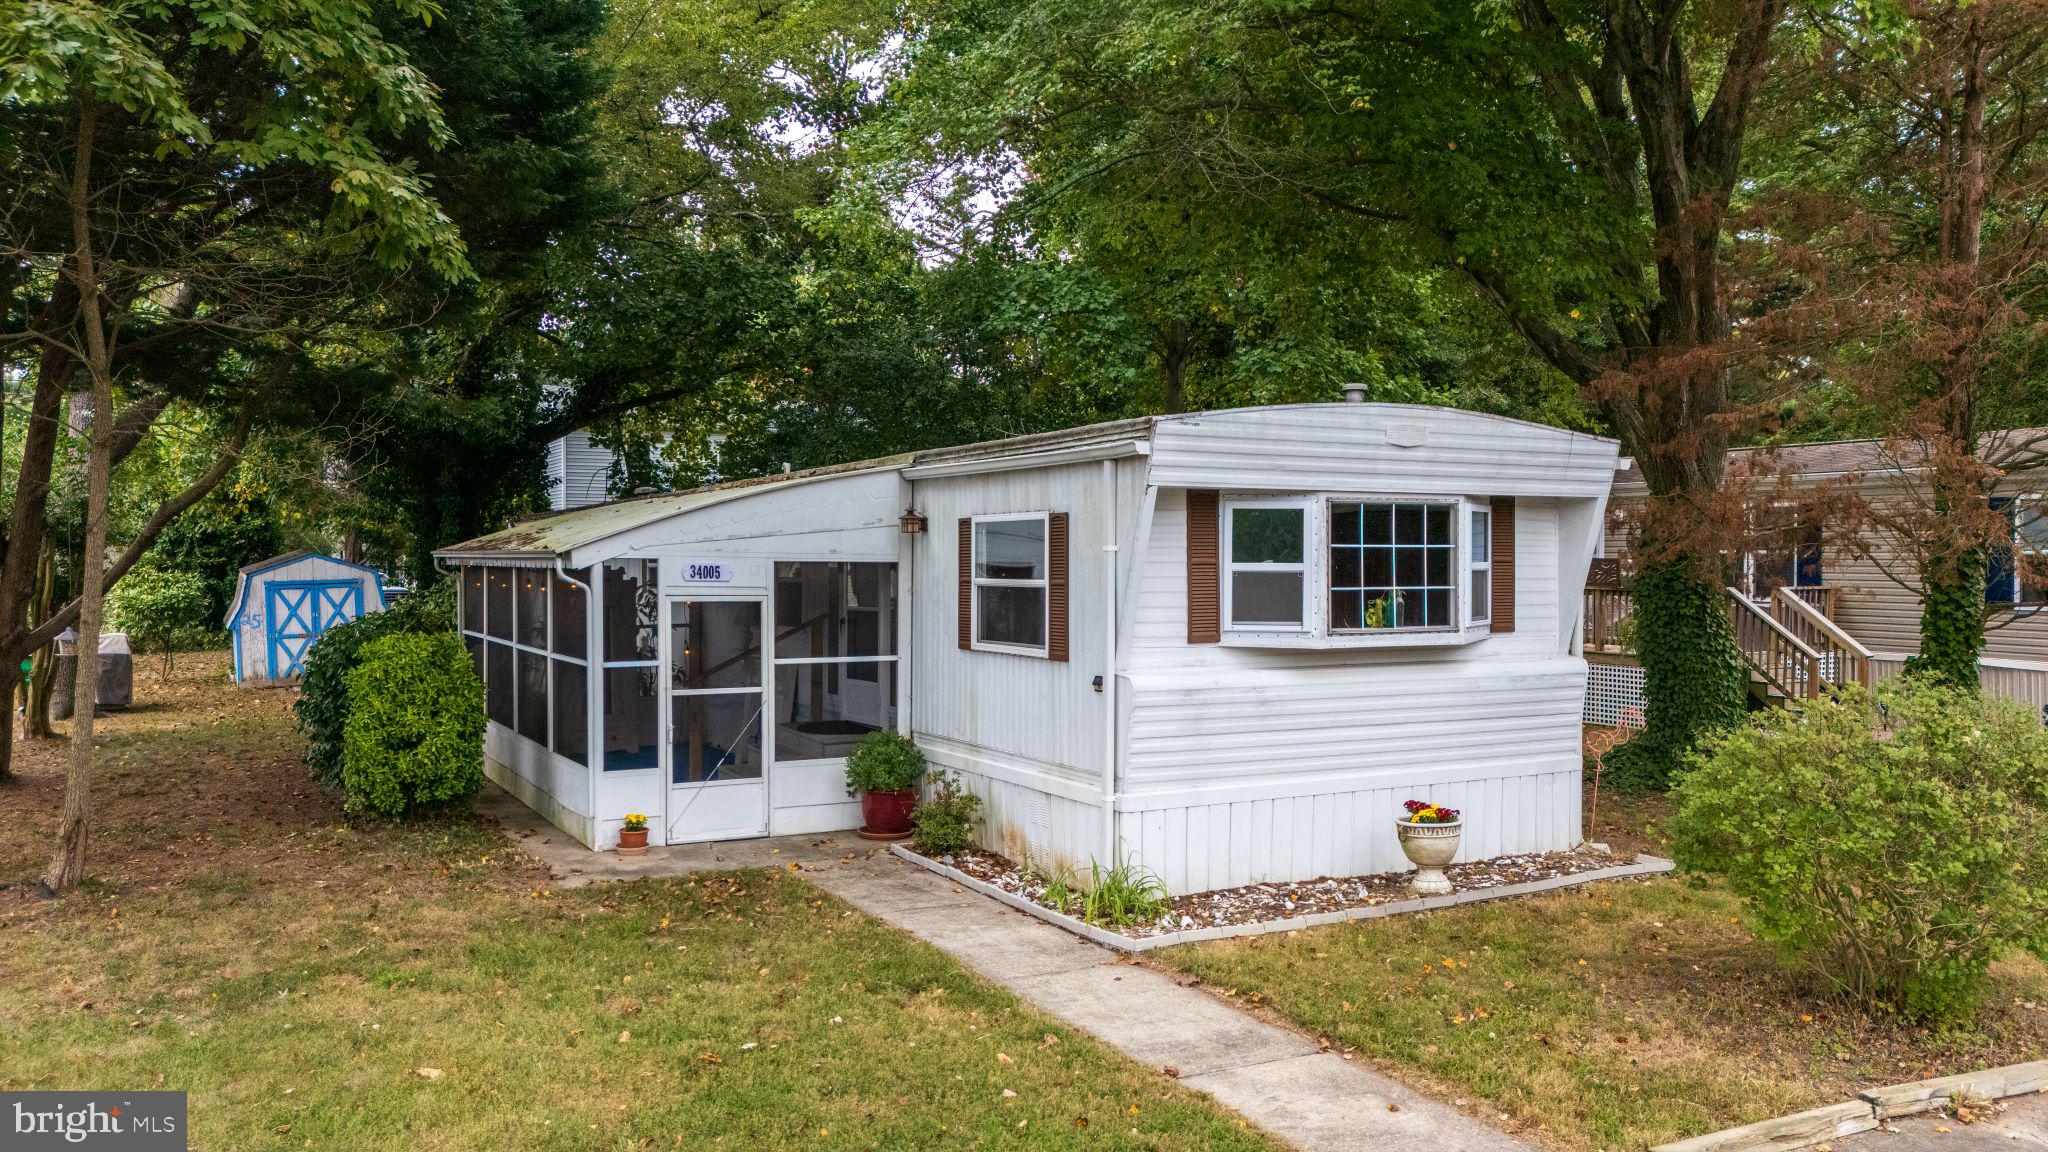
(1276, 1078)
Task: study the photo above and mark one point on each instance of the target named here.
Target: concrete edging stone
(1644, 865)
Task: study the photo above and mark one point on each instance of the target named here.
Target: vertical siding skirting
(1197, 847)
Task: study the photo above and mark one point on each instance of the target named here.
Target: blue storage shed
(284, 603)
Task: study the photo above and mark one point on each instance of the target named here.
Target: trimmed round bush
(322, 706)
(413, 742)
(1893, 844)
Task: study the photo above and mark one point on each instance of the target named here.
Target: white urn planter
(1430, 847)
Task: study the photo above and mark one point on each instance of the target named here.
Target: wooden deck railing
(1821, 596)
(1790, 641)
(1606, 607)
(1773, 652)
(1843, 659)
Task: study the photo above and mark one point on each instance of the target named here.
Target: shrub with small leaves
(414, 739)
(883, 762)
(322, 706)
(944, 822)
(1894, 844)
(160, 610)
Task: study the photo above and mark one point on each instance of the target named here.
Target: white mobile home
(1227, 644)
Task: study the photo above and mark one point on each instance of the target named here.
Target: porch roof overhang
(540, 541)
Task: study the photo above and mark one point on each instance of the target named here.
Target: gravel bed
(1257, 903)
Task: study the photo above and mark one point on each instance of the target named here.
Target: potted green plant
(1429, 838)
(633, 835)
(884, 771)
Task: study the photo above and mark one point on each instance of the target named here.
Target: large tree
(1573, 162)
(193, 189)
(1904, 178)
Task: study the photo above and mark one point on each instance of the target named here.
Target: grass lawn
(319, 983)
(1614, 1016)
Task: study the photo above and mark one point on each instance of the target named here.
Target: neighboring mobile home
(1227, 645)
(1854, 583)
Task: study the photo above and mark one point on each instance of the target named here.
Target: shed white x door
(716, 754)
(296, 613)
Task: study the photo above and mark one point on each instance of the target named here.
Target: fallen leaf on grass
(427, 1073)
(709, 1058)
(1008, 1094)
(1003, 1059)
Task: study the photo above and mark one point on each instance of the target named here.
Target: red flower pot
(632, 841)
(887, 813)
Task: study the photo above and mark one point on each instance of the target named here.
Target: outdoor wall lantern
(913, 522)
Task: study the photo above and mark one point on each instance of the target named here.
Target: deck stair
(1793, 651)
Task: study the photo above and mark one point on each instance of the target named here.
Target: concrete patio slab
(574, 865)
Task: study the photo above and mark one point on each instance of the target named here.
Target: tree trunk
(1952, 579)
(67, 862)
(1694, 682)
(1176, 349)
(1951, 619)
(36, 723)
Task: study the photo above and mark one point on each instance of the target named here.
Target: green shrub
(883, 762)
(322, 706)
(944, 822)
(160, 610)
(1893, 844)
(414, 738)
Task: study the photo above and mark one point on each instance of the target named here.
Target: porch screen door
(718, 788)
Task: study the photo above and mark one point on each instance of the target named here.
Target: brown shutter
(1503, 564)
(1205, 587)
(966, 582)
(1056, 586)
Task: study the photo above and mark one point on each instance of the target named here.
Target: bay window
(1343, 569)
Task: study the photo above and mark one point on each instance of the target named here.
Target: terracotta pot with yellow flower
(1429, 838)
(633, 835)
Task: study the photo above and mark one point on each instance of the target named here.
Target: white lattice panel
(1614, 695)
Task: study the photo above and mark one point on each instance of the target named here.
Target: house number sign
(699, 572)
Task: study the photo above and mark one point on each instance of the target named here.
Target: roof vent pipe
(1354, 393)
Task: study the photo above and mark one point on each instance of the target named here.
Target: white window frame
(1229, 565)
(977, 582)
(1478, 536)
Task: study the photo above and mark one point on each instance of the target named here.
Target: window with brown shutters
(1014, 583)
(967, 582)
(1056, 586)
(1503, 618)
(1205, 606)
